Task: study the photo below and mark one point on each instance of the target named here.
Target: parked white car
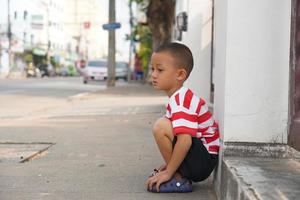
(95, 70)
(122, 70)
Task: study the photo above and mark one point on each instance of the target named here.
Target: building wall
(252, 42)
(51, 27)
(93, 41)
(20, 26)
(198, 39)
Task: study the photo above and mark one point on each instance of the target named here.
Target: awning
(39, 52)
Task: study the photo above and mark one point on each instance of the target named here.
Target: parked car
(122, 70)
(95, 70)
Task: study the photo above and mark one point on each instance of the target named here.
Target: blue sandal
(174, 186)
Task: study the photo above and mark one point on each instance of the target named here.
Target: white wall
(198, 39)
(252, 42)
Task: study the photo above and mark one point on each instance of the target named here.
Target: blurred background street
(77, 106)
(26, 96)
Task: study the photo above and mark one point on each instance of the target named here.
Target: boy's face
(165, 75)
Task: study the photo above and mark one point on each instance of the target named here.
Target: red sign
(87, 25)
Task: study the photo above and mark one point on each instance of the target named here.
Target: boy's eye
(160, 70)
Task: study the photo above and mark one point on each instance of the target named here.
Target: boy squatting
(187, 136)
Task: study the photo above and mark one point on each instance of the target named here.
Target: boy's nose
(153, 75)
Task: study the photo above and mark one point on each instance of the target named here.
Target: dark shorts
(198, 163)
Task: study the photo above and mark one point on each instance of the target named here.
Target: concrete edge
(271, 150)
(228, 184)
(233, 186)
(37, 153)
(79, 96)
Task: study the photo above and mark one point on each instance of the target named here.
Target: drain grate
(22, 152)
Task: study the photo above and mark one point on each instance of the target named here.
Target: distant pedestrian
(187, 136)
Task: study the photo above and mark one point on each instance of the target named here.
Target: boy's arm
(181, 148)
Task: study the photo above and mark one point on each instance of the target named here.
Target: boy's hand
(158, 179)
(162, 167)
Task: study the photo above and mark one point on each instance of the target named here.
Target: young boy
(187, 137)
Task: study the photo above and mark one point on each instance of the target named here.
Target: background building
(60, 30)
(84, 20)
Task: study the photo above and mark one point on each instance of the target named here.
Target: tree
(156, 31)
(160, 18)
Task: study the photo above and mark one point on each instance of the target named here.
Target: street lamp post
(131, 47)
(48, 37)
(9, 35)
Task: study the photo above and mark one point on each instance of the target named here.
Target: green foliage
(54, 63)
(141, 33)
(145, 39)
(71, 70)
(28, 58)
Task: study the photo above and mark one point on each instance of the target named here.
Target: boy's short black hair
(181, 53)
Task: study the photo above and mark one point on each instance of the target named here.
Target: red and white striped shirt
(189, 114)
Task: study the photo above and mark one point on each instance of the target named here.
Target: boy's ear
(181, 74)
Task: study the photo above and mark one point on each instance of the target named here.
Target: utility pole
(48, 35)
(9, 35)
(111, 46)
(131, 49)
(46, 5)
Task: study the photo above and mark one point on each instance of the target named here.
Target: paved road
(49, 87)
(24, 97)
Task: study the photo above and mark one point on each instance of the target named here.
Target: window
(69, 47)
(31, 39)
(97, 63)
(25, 15)
(24, 37)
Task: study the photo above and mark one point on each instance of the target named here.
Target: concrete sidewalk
(259, 171)
(98, 152)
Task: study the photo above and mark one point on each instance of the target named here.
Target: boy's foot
(174, 186)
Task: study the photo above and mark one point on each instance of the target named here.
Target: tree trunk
(160, 17)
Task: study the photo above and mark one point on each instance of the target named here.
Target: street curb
(233, 186)
(237, 184)
(79, 96)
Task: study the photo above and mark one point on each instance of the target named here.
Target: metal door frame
(294, 121)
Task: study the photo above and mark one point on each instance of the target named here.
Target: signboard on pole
(111, 26)
(37, 21)
(87, 25)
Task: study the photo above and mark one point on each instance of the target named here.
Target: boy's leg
(163, 134)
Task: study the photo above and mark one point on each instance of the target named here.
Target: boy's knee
(162, 126)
